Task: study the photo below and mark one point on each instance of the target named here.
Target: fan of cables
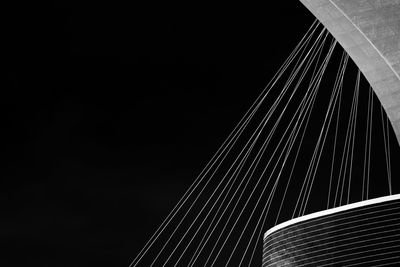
(301, 147)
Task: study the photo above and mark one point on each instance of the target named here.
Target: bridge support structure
(369, 31)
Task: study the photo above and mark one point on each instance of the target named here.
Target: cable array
(268, 169)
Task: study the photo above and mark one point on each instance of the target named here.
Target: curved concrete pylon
(369, 31)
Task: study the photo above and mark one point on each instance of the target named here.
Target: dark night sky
(112, 109)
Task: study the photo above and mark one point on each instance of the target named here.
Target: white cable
(345, 155)
(264, 214)
(280, 172)
(270, 176)
(222, 148)
(306, 181)
(302, 188)
(286, 105)
(386, 149)
(354, 133)
(388, 161)
(322, 136)
(344, 57)
(270, 112)
(366, 144)
(370, 141)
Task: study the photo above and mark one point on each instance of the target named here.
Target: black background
(113, 108)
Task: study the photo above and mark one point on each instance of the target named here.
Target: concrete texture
(369, 31)
(360, 234)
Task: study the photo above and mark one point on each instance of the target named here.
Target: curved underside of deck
(365, 233)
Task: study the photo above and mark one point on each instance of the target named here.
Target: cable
(366, 144)
(226, 143)
(268, 115)
(267, 139)
(344, 57)
(386, 149)
(274, 188)
(357, 89)
(370, 140)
